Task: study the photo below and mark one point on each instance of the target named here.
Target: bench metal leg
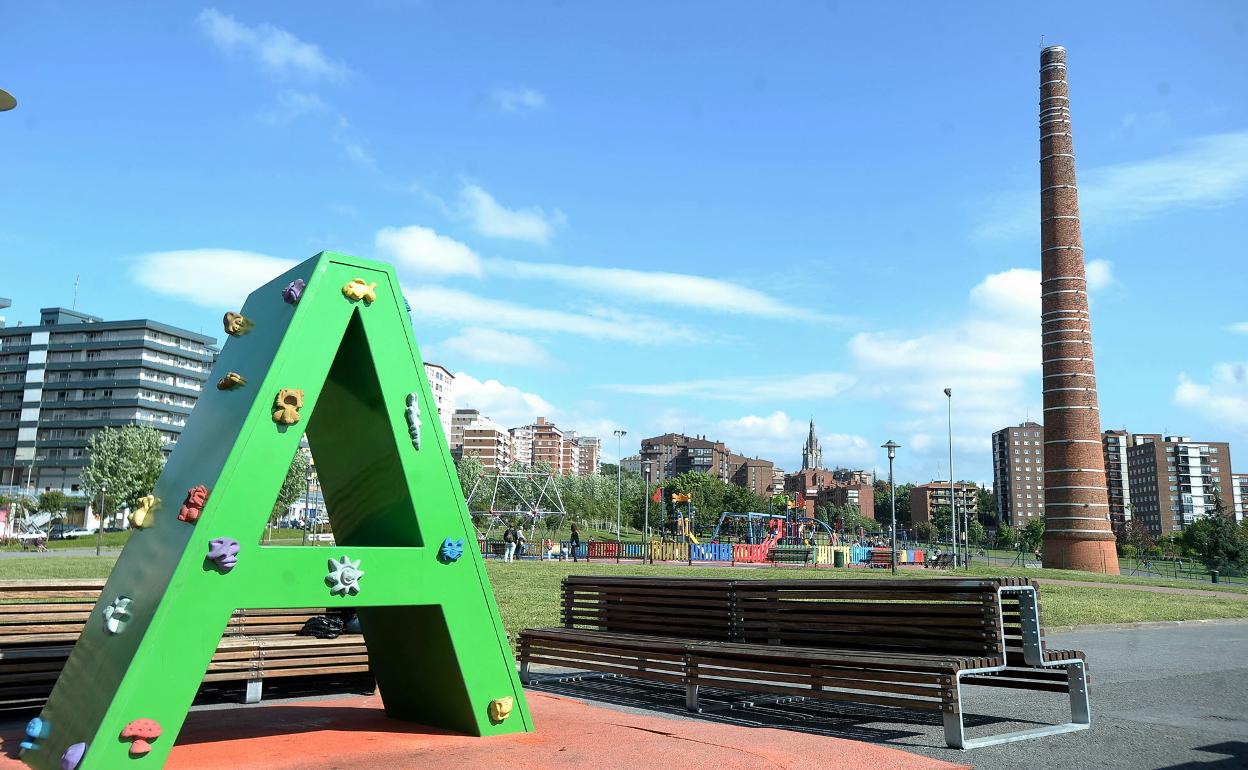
(585, 676)
(254, 688)
(1080, 715)
(691, 697)
(525, 679)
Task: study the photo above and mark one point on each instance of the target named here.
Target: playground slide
(689, 534)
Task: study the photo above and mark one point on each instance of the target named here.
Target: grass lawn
(528, 591)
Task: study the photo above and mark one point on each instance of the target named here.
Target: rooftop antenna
(75, 305)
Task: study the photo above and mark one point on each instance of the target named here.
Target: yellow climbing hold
(142, 515)
(287, 405)
(356, 290)
(500, 708)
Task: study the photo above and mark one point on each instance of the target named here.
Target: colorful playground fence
(824, 555)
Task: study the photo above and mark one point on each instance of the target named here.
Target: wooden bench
(900, 643)
(880, 559)
(41, 620)
(791, 554)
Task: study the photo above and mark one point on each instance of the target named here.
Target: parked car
(57, 532)
(78, 532)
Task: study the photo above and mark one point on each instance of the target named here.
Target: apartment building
(1174, 480)
(1018, 473)
(753, 473)
(926, 498)
(488, 442)
(631, 464)
(442, 386)
(570, 465)
(74, 374)
(460, 419)
(675, 453)
(1239, 496)
(1115, 443)
(522, 444)
(820, 487)
(590, 455)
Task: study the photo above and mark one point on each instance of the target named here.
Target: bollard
(1213, 574)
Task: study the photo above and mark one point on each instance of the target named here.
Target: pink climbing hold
(142, 732)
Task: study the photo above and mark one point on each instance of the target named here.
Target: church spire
(812, 455)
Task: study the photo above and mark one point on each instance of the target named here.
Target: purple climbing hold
(294, 290)
(223, 551)
(72, 756)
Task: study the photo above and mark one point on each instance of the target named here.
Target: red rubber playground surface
(354, 734)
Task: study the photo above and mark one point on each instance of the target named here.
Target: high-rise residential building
(1114, 444)
(1175, 480)
(442, 385)
(812, 455)
(777, 480)
(752, 473)
(1239, 496)
(571, 462)
(522, 444)
(674, 453)
(850, 476)
(74, 374)
(1077, 532)
(488, 442)
(547, 445)
(926, 498)
(460, 420)
(1018, 473)
(631, 464)
(591, 456)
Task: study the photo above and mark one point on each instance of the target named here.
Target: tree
(295, 485)
(128, 461)
(986, 506)
(469, 469)
(1219, 543)
(54, 502)
(975, 532)
(925, 531)
(883, 511)
(1033, 534)
(1007, 537)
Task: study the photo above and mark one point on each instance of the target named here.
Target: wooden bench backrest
(692, 608)
(943, 616)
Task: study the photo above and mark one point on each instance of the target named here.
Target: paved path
(354, 734)
(1173, 697)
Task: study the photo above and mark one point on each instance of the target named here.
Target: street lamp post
(953, 504)
(891, 447)
(619, 479)
(645, 492)
(99, 521)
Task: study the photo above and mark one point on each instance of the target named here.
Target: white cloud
(1224, 401)
(507, 405)
(778, 434)
(421, 249)
(488, 346)
(815, 385)
(492, 219)
(439, 305)
(277, 51)
(291, 106)
(1238, 328)
(1100, 274)
(518, 99)
(678, 289)
(1207, 172)
(213, 278)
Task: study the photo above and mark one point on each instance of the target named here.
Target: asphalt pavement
(1172, 697)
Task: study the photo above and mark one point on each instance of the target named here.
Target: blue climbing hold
(36, 730)
(451, 550)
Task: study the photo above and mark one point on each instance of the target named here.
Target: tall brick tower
(1076, 503)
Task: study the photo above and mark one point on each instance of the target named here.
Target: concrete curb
(1146, 624)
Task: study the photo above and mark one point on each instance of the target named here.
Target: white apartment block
(488, 442)
(442, 386)
(1239, 496)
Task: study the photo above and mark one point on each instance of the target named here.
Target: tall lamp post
(99, 521)
(891, 447)
(953, 504)
(645, 493)
(619, 468)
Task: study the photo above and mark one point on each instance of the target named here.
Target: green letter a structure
(435, 641)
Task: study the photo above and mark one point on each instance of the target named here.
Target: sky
(712, 218)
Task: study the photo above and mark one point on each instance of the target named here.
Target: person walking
(509, 545)
(574, 541)
(521, 541)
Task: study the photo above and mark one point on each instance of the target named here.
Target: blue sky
(713, 218)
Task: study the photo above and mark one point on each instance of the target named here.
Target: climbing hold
(287, 405)
(236, 324)
(294, 290)
(500, 708)
(231, 381)
(142, 515)
(117, 615)
(451, 550)
(344, 576)
(193, 505)
(413, 418)
(223, 551)
(72, 756)
(36, 730)
(356, 290)
(142, 732)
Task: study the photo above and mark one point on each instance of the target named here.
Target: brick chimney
(1076, 502)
